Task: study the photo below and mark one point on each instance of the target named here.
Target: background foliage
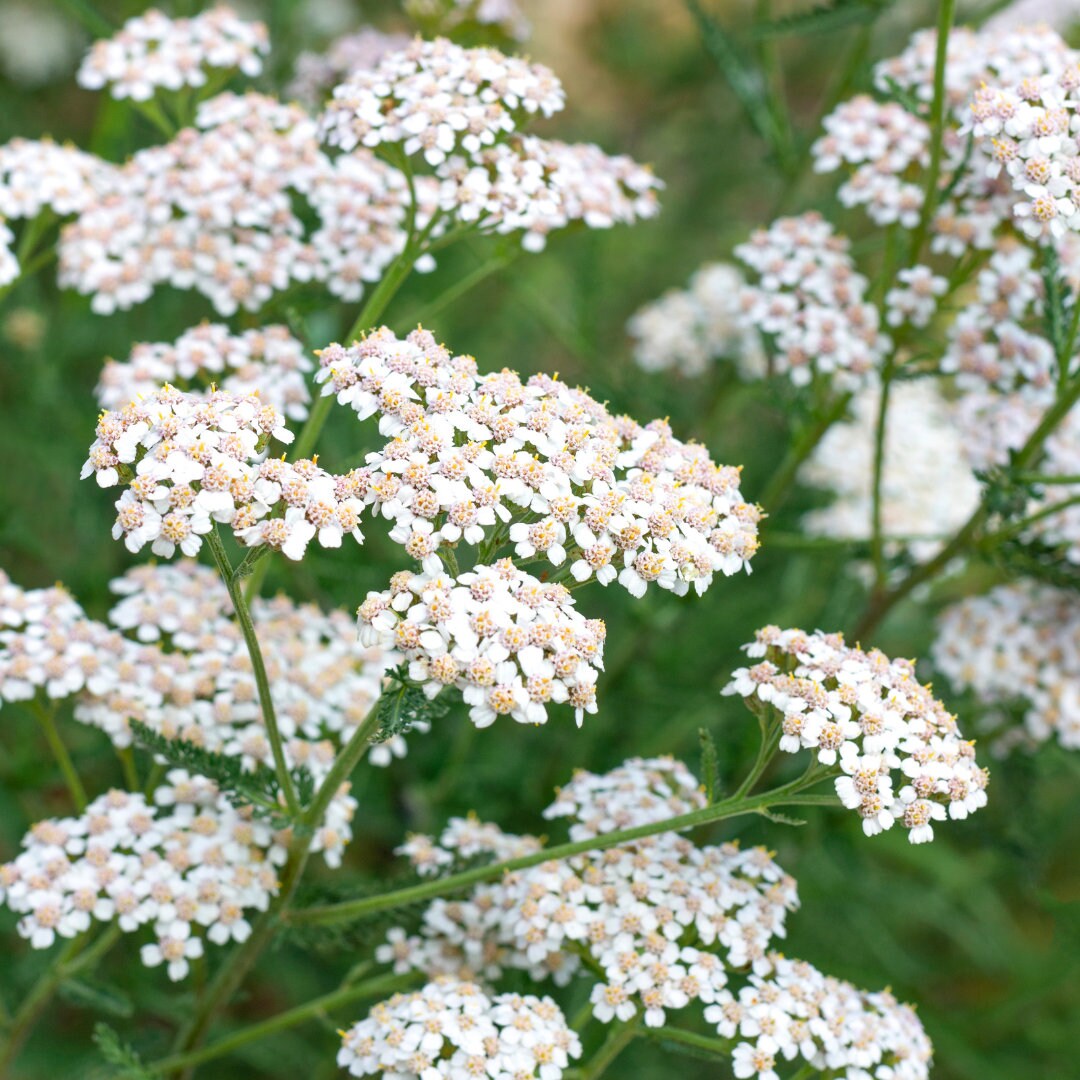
(982, 928)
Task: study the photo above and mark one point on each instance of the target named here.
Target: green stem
(231, 975)
(127, 763)
(1046, 478)
(465, 284)
(780, 483)
(258, 668)
(615, 1044)
(877, 545)
(946, 15)
(785, 795)
(47, 719)
(346, 995)
(1018, 527)
(721, 1047)
(883, 601)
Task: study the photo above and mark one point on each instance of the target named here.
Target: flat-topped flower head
(219, 209)
(453, 1028)
(152, 52)
(460, 113)
(900, 751)
(540, 463)
(809, 303)
(182, 869)
(690, 329)
(1020, 643)
(510, 643)
(267, 361)
(659, 921)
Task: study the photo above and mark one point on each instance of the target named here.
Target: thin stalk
(465, 284)
(127, 763)
(780, 483)
(615, 1044)
(877, 545)
(346, 995)
(1046, 479)
(258, 667)
(708, 1043)
(47, 719)
(229, 977)
(1019, 526)
(785, 795)
(946, 15)
(881, 603)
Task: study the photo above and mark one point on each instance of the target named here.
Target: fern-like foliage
(825, 17)
(257, 788)
(403, 705)
(121, 1061)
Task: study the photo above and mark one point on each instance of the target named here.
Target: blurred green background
(981, 928)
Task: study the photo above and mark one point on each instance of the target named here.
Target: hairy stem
(258, 668)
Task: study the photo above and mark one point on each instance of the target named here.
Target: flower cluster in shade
(928, 490)
(809, 303)
(1017, 648)
(182, 868)
(152, 52)
(658, 925)
(511, 643)
(38, 176)
(897, 749)
(267, 361)
(216, 210)
(492, 459)
(172, 658)
(460, 111)
(189, 461)
(689, 329)
(503, 17)
(453, 1028)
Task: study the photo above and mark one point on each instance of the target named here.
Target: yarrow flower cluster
(460, 110)
(542, 465)
(885, 144)
(927, 489)
(689, 329)
(38, 176)
(660, 924)
(1017, 646)
(869, 717)
(173, 659)
(153, 52)
(268, 361)
(185, 865)
(509, 642)
(215, 210)
(810, 303)
(453, 1028)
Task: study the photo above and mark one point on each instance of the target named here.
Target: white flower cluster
(689, 329)
(173, 659)
(461, 110)
(651, 914)
(868, 716)
(1019, 645)
(1022, 15)
(990, 343)
(794, 1012)
(317, 73)
(810, 302)
(927, 488)
(885, 144)
(213, 210)
(914, 300)
(152, 51)
(1030, 126)
(452, 1028)
(659, 924)
(490, 458)
(38, 175)
(510, 643)
(267, 361)
(188, 865)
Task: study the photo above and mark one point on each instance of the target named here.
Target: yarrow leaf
(124, 1061)
(403, 706)
(828, 16)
